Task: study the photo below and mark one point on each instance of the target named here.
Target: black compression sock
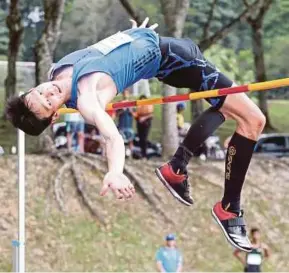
(200, 130)
(181, 159)
(239, 154)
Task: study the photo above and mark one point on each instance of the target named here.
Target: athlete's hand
(119, 184)
(144, 24)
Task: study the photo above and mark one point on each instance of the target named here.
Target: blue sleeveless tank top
(126, 56)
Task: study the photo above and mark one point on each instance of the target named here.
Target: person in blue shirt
(169, 258)
(90, 78)
(125, 123)
(75, 130)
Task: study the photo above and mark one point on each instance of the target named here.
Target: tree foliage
(256, 22)
(15, 26)
(237, 66)
(47, 42)
(105, 17)
(3, 33)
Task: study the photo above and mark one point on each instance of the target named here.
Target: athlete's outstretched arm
(93, 111)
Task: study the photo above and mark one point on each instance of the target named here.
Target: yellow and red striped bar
(261, 86)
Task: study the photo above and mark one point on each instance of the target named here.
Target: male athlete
(90, 78)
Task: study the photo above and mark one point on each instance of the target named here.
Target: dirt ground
(71, 228)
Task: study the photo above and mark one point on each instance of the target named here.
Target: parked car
(276, 145)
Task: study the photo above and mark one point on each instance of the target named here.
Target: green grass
(91, 248)
(279, 110)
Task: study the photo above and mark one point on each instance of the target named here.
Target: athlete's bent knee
(259, 121)
(252, 123)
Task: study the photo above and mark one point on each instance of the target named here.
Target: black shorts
(184, 66)
(252, 268)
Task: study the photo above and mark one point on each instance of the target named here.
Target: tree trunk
(141, 87)
(256, 20)
(45, 46)
(197, 108)
(170, 138)
(175, 13)
(130, 10)
(15, 27)
(207, 41)
(260, 69)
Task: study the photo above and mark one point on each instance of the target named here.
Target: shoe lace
(240, 229)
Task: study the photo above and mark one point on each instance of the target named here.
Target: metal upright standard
(21, 202)
(19, 245)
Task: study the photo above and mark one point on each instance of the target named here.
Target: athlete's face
(45, 99)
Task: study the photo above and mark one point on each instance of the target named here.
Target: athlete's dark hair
(253, 230)
(18, 113)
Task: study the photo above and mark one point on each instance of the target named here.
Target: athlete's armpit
(94, 113)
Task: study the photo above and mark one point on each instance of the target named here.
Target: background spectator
(75, 131)
(1, 151)
(252, 261)
(169, 258)
(144, 116)
(180, 115)
(94, 142)
(183, 126)
(125, 124)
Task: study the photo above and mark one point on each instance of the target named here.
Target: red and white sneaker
(233, 227)
(177, 184)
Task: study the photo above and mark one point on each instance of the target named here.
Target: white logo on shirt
(112, 42)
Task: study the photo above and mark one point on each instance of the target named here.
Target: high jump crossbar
(253, 87)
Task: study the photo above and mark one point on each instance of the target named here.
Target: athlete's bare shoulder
(62, 72)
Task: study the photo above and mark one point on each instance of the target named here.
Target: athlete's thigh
(184, 66)
(239, 107)
(182, 63)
